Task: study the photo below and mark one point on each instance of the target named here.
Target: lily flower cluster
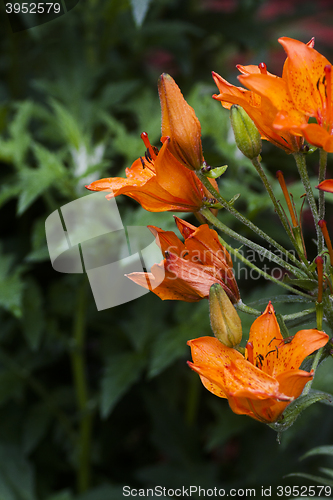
(264, 377)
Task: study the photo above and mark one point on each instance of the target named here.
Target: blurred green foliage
(91, 401)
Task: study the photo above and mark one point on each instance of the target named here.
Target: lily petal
(290, 355)
(180, 123)
(265, 337)
(326, 185)
(304, 70)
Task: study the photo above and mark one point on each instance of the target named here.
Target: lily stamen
(323, 226)
(286, 195)
(263, 68)
(328, 81)
(249, 349)
(150, 148)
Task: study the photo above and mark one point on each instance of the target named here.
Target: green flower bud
(247, 136)
(224, 320)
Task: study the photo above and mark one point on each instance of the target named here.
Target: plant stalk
(256, 163)
(301, 165)
(81, 390)
(248, 223)
(321, 202)
(254, 246)
(217, 223)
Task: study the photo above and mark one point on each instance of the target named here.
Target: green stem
(314, 367)
(247, 309)
(254, 246)
(193, 397)
(247, 222)
(321, 202)
(217, 223)
(81, 389)
(319, 315)
(301, 165)
(306, 312)
(256, 163)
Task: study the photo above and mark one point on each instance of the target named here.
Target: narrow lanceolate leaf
(318, 479)
(34, 181)
(299, 405)
(11, 285)
(319, 450)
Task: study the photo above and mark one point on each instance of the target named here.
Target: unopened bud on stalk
(224, 320)
(247, 136)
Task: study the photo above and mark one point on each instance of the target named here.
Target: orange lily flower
(268, 96)
(190, 268)
(180, 123)
(159, 182)
(268, 378)
(308, 75)
(163, 180)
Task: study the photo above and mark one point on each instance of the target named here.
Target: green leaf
(68, 126)
(61, 495)
(35, 181)
(328, 472)
(18, 130)
(224, 425)
(216, 172)
(320, 450)
(298, 406)
(103, 492)
(307, 284)
(318, 479)
(8, 191)
(10, 386)
(139, 10)
(36, 424)
(33, 314)
(11, 285)
(39, 251)
(16, 475)
(121, 372)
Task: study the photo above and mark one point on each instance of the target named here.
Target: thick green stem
(321, 203)
(218, 224)
(301, 165)
(81, 389)
(263, 252)
(248, 223)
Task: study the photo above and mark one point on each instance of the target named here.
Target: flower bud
(224, 320)
(247, 136)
